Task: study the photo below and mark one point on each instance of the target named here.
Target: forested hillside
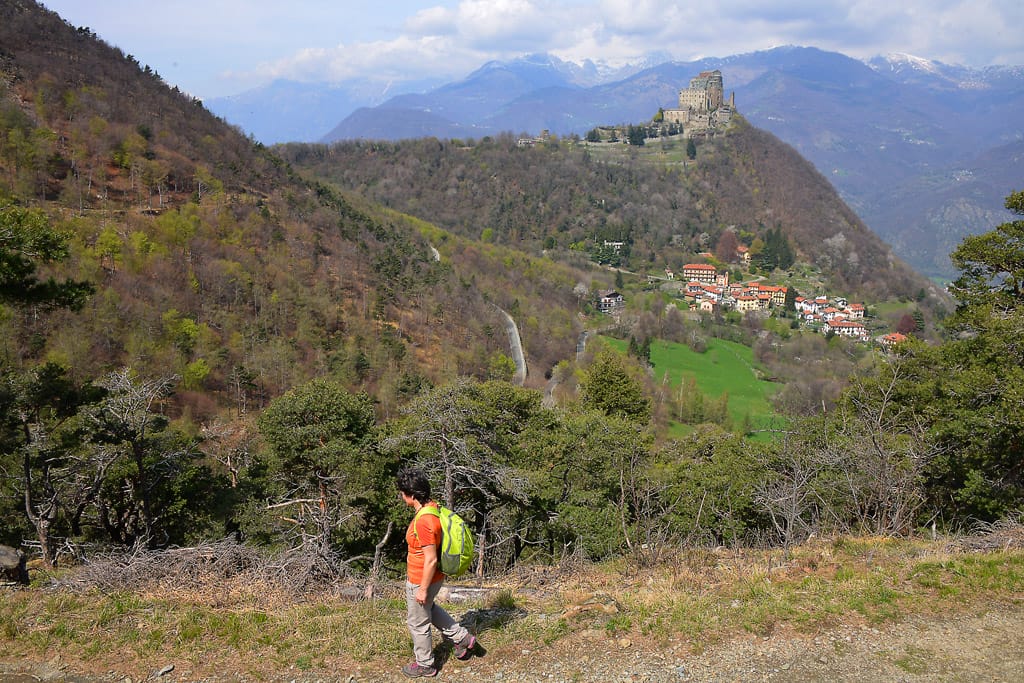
(565, 195)
(214, 261)
(154, 255)
(899, 137)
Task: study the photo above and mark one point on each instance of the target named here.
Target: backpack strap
(424, 509)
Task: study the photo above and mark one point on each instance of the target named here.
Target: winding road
(515, 343)
(516, 346)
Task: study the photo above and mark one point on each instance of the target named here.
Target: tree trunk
(40, 520)
(480, 548)
(378, 556)
(325, 521)
(43, 534)
(142, 494)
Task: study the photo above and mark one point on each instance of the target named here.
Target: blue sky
(212, 48)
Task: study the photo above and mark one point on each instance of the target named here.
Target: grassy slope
(725, 367)
(229, 627)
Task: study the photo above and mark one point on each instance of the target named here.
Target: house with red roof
(701, 272)
(830, 313)
(855, 310)
(846, 328)
(892, 339)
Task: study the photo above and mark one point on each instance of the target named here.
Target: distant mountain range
(287, 111)
(290, 111)
(924, 152)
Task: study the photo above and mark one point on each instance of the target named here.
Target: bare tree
(788, 493)
(128, 422)
(455, 429)
(860, 468)
(882, 453)
(230, 444)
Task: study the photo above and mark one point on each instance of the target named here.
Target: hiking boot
(464, 650)
(417, 670)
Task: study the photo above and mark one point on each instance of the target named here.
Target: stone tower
(705, 93)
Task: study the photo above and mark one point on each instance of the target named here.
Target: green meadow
(725, 367)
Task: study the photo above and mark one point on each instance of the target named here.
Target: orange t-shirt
(427, 532)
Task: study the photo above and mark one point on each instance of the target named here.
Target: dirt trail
(984, 645)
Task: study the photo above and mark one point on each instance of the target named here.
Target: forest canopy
(901, 449)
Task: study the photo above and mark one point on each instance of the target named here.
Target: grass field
(215, 627)
(665, 151)
(725, 367)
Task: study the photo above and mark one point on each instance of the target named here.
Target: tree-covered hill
(563, 196)
(165, 281)
(214, 261)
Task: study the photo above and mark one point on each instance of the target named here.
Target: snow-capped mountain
(924, 151)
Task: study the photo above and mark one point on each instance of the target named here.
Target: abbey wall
(702, 106)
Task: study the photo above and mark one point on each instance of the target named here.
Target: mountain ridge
(564, 196)
(867, 125)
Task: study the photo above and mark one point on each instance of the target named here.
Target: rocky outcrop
(12, 565)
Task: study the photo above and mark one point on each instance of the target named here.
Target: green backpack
(455, 553)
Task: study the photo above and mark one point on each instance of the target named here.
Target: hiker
(425, 579)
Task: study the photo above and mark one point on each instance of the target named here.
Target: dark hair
(412, 482)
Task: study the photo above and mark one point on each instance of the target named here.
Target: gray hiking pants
(420, 617)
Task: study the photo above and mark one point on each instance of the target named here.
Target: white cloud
(438, 40)
(646, 17)
(508, 25)
(979, 32)
(463, 35)
(432, 21)
(404, 58)
(220, 43)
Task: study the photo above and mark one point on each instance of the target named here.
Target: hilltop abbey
(703, 111)
(702, 106)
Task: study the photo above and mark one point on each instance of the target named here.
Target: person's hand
(421, 595)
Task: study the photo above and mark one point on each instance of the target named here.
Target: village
(706, 290)
(703, 109)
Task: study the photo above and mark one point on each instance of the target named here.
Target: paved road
(516, 346)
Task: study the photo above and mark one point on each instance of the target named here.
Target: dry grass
(232, 613)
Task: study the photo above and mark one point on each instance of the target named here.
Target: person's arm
(429, 568)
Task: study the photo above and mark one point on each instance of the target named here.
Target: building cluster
(709, 291)
(545, 136)
(702, 106)
(835, 316)
(702, 110)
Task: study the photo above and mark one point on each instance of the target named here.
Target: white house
(846, 328)
(609, 302)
